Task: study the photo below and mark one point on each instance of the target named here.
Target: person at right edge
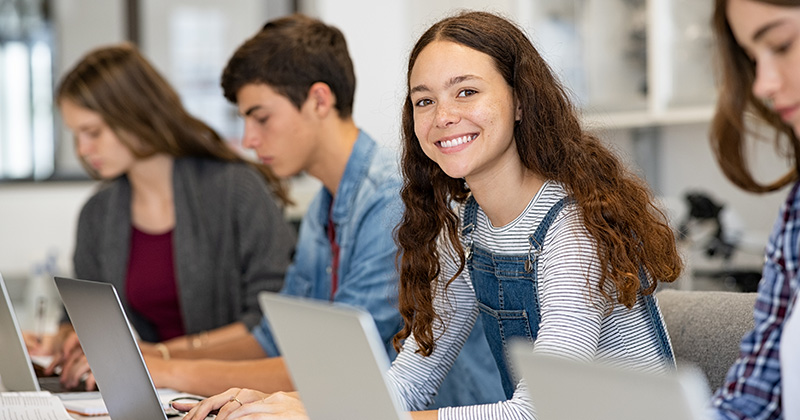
(759, 62)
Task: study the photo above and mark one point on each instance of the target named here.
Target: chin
(109, 174)
(455, 174)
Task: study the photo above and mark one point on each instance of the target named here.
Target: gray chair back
(705, 328)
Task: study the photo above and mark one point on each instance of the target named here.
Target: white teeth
(457, 141)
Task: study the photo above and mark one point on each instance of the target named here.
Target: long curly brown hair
(729, 129)
(618, 209)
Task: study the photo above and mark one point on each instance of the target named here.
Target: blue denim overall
(506, 288)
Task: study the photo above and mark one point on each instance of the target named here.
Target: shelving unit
(648, 118)
(628, 63)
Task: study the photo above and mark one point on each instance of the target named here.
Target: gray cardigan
(230, 242)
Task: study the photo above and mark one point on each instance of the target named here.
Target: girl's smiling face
(464, 111)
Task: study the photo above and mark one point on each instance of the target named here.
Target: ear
(518, 114)
(321, 99)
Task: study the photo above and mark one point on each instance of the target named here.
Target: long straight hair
(144, 111)
(729, 130)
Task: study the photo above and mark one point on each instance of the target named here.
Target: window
(26, 90)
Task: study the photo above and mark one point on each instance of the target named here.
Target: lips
(786, 112)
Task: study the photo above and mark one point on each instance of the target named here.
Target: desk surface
(78, 416)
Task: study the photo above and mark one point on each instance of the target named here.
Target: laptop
(16, 369)
(335, 357)
(564, 389)
(110, 347)
(17, 372)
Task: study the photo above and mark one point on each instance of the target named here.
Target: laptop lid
(335, 357)
(16, 370)
(564, 389)
(111, 349)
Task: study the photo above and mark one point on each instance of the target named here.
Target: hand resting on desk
(237, 403)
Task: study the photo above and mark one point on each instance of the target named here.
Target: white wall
(36, 219)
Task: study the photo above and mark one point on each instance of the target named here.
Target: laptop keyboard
(54, 385)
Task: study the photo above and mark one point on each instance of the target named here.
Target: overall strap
(655, 318)
(468, 223)
(537, 238)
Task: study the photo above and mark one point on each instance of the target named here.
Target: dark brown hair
(736, 99)
(290, 54)
(144, 111)
(617, 208)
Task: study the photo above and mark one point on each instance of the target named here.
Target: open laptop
(335, 357)
(17, 373)
(564, 389)
(110, 347)
(16, 369)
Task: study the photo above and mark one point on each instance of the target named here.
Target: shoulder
(382, 180)
(384, 167)
(106, 195)
(792, 203)
(217, 176)
(211, 168)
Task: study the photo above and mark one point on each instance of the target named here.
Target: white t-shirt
(790, 366)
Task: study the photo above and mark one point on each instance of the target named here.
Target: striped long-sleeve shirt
(575, 321)
(752, 389)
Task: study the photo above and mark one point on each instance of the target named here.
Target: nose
(446, 115)
(83, 146)
(767, 81)
(250, 139)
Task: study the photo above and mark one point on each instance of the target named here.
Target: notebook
(335, 357)
(110, 347)
(16, 369)
(564, 389)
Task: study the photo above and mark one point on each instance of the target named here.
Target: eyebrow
(453, 81)
(766, 28)
(251, 110)
(88, 126)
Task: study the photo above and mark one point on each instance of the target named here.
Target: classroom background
(640, 71)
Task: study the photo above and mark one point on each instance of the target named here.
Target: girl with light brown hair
(187, 230)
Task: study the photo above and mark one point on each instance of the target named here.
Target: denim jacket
(366, 209)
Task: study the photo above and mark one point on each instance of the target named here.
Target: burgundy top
(150, 285)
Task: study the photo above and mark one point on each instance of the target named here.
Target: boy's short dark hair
(290, 54)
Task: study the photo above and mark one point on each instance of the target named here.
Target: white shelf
(633, 119)
(628, 63)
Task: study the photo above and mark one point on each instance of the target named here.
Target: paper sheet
(31, 406)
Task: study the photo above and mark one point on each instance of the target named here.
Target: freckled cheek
(421, 129)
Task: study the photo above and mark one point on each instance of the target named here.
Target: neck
(504, 195)
(151, 178)
(333, 152)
